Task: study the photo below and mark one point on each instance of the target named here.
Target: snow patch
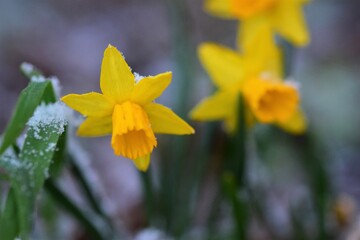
(38, 78)
(56, 115)
(27, 68)
(10, 159)
(56, 85)
(293, 83)
(138, 77)
(151, 234)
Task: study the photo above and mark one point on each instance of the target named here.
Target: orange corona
(249, 8)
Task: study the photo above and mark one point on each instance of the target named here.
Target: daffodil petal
(150, 88)
(288, 19)
(224, 65)
(219, 8)
(90, 104)
(216, 107)
(163, 120)
(261, 54)
(142, 163)
(95, 127)
(297, 123)
(116, 78)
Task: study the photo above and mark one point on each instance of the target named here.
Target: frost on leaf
(56, 85)
(9, 161)
(38, 79)
(27, 68)
(55, 115)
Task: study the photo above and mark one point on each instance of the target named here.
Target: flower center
(132, 135)
(271, 101)
(249, 8)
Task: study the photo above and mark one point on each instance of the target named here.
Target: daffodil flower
(284, 17)
(257, 75)
(125, 109)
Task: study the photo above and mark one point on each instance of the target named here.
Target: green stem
(237, 146)
(235, 175)
(239, 205)
(319, 180)
(89, 221)
(148, 194)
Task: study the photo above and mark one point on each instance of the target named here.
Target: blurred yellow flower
(126, 109)
(257, 76)
(270, 100)
(285, 17)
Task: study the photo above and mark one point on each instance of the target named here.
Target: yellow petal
(163, 120)
(150, 88)
(288, 19)
(216, 107)
(261, 54)
(116, 79)
(219, 8)
(90, 104)
(95, 127)
(142, 163)
(297, 123)
(224, 65)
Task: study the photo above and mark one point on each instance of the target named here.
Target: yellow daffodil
(125, 109)
(284, 17)
(257, 76)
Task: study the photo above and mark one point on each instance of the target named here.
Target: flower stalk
(234, 176)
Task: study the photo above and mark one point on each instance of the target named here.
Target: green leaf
(29, 99)
(59, 157)
(29, 170)
(9, 229)
(38, 151)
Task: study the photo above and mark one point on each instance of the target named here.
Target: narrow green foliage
(9, 229)
(91, 221)
(27, 168)
(28, 172)
(29, 99)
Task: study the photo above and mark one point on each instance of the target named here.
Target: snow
(57, 115)
(138, 77)
(151, 234)
(56, 85)
(37, 78)
(27, 68)
(292, 82)
(50, 147)
(10, 159)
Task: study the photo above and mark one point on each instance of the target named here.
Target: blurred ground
(67, 39)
